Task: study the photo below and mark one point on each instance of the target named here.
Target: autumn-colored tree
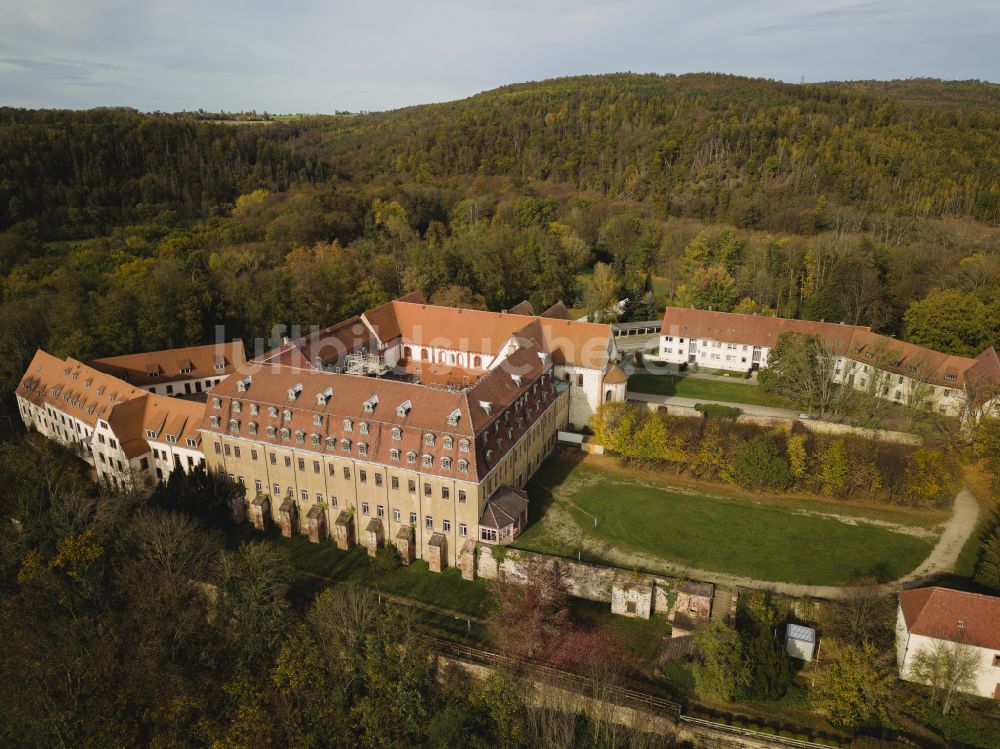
(834, 468)
(852, 685)
(532, 612)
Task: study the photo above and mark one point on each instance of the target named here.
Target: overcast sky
(325, 55)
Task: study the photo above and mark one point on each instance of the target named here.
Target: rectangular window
(380, 511)
(461, 495)
(411, 485)
(274, 459)
(427, 490)
(218, 447)
(332, 469)
(413, 518)
(396, 515)
(277, 490)
(347, 472)
(315, 466)
(288, 461)
(253, 455)
(447, 526)
(363, 477)
(257, 485)
(378, 479)
(395, 482)
(302, 464)
(429, 523)
(305, 496)
(227, 450)
(463, 530)
(364, 508)
(445, 492)
(333, 501)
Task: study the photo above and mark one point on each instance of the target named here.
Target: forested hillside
(751, 152)
(871, 203)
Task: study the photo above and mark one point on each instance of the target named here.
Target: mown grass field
(704, 389)
(779, 540)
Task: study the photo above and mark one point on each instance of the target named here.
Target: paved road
(674, 400)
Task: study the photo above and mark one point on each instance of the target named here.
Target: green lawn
(765, 540)
(703, 389)
(318, 566)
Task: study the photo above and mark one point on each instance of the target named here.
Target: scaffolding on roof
(366, 363)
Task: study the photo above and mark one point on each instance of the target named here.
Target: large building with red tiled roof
(407, 423)
(888, 368)
(131, 435)
(932, 618)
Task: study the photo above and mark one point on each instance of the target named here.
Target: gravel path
(954, 533)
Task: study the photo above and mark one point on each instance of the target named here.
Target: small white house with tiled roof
(926, 616)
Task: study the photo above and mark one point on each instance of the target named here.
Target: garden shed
(800, 642)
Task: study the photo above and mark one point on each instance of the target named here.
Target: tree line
(778, 459)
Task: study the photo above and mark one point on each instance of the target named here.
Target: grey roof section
(697, 589)
(437, 540)
(344, 518)
(288, 506)
(374, 525)
(405, 533)
(800, 633)
(503, 508)
(260, 500)
(314, 512)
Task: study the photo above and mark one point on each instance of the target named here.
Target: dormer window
(517, 379)
(394, 453)
(151, 433)
(463, 445)
(185, 370)
(411, 457)
(252, 426)
(293, 392)
(215, 421)
(331, 443)
(237, 407)
(172, 439)
(286, 415)
(345, 445)
(272, 411)
(300, 436)
(234, 425)
(463, 466)
(369, 405)
(951, 377)
(315, 439)
(486, 406)
(271, 432)
(191, 442)
(244, 384)
(403, 408)
(428, 461)
(317, 420)
(363, 427)
(454, 416)
(449, 442)
(397, 433)
(254, 409)
(429, 439)
(363, 449)
(323, 398)
(285, 433)
(216, 402)
(446, 464)
(489, 456)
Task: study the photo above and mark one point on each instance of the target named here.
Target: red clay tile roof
(936, 612)
(321, 348)
(89, 394)
(557, 311)
(615, 376)
(155, 367)
(580, 344)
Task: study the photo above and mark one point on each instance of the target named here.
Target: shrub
(759, 464)
(715, 411)
(386, 559)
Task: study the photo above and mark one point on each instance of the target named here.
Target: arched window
(477, 362)
(446, 464)
(464, 445)
(463, 466)
(449, 443)
(284, 433)
(363, 448)
(428, 461)
(397, 433)
(394, 453)
(411, 457)
(424, 354)
(407, 352)
(345, 445)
